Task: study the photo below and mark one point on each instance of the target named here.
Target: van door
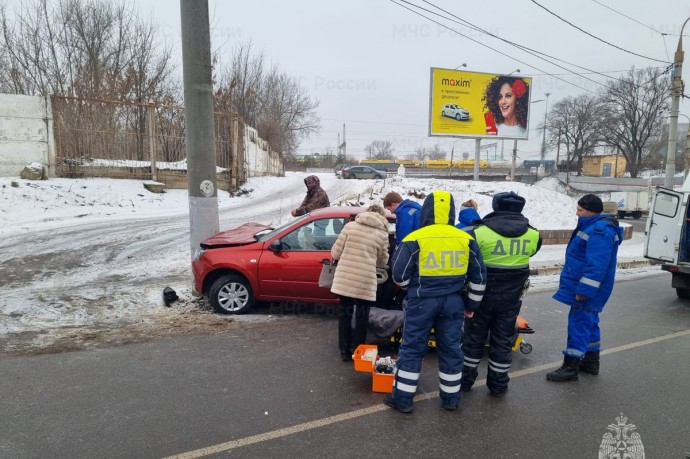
(664, 226)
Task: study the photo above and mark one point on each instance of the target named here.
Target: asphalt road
(278, 389)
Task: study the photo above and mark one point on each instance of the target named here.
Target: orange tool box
(365, 357)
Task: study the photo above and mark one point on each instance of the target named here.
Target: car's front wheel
(457, 116)
(231, 294)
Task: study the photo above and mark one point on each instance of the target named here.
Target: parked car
(455, 111)
(362, 172)
(256, 262)
(339, 168)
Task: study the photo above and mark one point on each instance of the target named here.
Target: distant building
(604, 165)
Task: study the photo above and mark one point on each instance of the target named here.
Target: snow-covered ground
(96, 253)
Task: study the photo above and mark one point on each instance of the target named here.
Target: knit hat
(592, 203)
(508, 201)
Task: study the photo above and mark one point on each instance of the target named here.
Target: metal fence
(102, 138)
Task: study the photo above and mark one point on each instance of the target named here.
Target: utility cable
(489, 47)
(512, 43)
(594, 36)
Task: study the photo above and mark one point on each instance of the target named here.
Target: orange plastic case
(365, 358)
(381, 382)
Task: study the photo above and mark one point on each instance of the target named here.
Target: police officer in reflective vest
(436, 263)
(507, 241)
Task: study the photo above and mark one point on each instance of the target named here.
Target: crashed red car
(256, 262)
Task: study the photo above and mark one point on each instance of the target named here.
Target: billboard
(479, 105)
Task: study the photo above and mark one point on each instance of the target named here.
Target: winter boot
(567, 371)
(590, 363)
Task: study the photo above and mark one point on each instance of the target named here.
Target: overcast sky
(368, 62)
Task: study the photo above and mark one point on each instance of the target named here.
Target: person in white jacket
(361, 247)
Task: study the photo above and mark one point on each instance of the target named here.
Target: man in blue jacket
(586, 283)
(406, 214)
(435, 263)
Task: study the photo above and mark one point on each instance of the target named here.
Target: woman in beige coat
(361, 247)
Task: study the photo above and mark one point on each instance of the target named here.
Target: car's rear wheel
(231, 294)
(443, 113)
(683, 293)
(353, 176)
(378, 176)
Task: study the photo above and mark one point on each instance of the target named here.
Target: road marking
(311, 425)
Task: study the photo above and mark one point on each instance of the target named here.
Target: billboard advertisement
(479, 105)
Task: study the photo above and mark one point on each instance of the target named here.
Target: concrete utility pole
(543, 139)
(199, 129)
(676, 91)
(477, 152)
(512, 166)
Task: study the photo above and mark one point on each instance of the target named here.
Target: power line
(531, 51)
(663, 35)
(594, 36)
(487, 46)
(628, 17)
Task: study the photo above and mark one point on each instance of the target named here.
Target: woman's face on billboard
(506, 102)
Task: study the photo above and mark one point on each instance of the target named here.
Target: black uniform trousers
(494, 320)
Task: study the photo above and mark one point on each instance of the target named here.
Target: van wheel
(636, 215)
(683, 293)
(231, 294)
(621, 215)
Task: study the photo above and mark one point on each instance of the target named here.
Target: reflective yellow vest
(506, 252)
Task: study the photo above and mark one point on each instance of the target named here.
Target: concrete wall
(256, 154)
(26, 133)
(601, 184)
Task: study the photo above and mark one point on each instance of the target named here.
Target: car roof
(344, 211)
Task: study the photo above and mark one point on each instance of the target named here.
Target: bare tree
(636, 105)
(436, 152)
(379, 149)
(82, 48)
(276, 104)
(577, 121)
(420, 153)
(288, 114)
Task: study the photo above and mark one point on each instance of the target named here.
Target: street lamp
(461, 65)
(676, 90)
(514, 71)
(452, 152)
(543, 139)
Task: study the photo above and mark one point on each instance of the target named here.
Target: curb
(552, 270)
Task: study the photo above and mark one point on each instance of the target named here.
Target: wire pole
(676, 91)
(199, 129)
(512, 166)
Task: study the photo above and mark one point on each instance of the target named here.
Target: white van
(667, 236)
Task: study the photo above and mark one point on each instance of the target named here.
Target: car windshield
(268, 233)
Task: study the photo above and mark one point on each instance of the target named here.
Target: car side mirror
(275, 246)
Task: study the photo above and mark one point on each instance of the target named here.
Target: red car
(255, 262)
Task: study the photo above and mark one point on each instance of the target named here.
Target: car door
(665, 226)
(370, 173)
(293, 272)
